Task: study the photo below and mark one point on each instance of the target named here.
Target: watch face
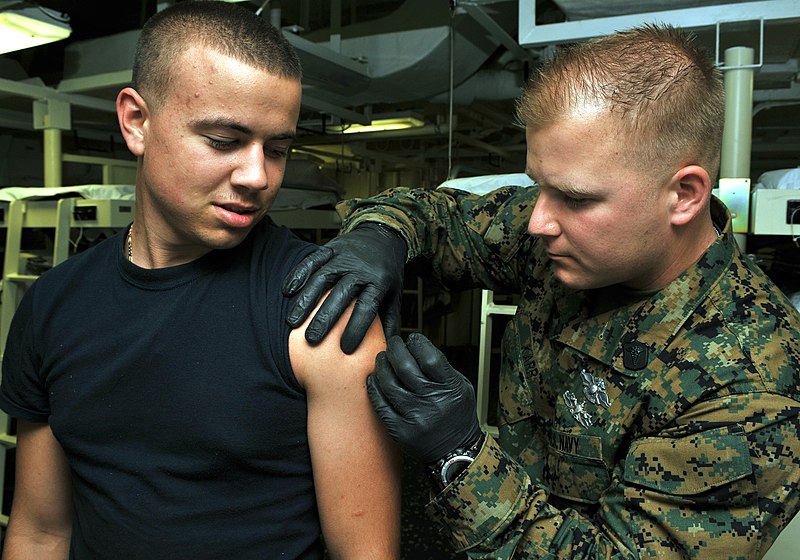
(453, 467)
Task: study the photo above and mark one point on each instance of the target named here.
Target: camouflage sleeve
(722, 492)
(468, 240)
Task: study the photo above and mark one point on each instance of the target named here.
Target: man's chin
(573, 280)
(228, 240)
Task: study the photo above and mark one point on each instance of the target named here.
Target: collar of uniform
(654, 321)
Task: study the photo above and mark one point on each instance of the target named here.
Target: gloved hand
(427, 406)
(367, 264)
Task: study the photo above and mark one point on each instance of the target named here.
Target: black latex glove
(366, 264)
(427, 406)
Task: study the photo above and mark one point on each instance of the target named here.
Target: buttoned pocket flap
(689, 464)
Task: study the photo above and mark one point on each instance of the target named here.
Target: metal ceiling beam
(532, 35)
(327, 66)
(330, 154)
(477, 12)
(316, 104)
(786, 146)
(417, 132)
(120, 79)
(362, 155)
(42, 92)
(16, 120)
(413, 161)
(791, 93)
(474, 142)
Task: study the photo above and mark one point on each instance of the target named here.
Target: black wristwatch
(449, 467)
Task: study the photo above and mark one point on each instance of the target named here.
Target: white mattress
(102, 192)
(289, 198)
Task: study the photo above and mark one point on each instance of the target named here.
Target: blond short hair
(665, 89)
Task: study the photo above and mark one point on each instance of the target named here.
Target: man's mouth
(238, 208)
(237, 215)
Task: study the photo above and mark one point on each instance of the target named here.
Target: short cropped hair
(665, 88)
(227, 28)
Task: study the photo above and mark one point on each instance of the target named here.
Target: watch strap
(447, 469)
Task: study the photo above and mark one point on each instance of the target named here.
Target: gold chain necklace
(130, 244)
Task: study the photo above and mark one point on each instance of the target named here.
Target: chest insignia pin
(634, 355)
(577, 409)
(595, 389)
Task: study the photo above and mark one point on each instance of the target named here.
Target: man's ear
(132, 114)
(692, 188)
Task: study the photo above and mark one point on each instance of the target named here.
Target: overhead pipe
(737, 136)
(485, 85)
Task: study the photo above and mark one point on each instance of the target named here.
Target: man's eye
(277, 153)
(575, 202)
(221, 144)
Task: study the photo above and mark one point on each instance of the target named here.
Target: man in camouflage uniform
(650, 379)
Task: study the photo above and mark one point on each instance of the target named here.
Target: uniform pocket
(575, 468)
(691, 491)
(693, 464)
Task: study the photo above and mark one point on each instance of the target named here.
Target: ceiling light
(380, 124)
(29, 27)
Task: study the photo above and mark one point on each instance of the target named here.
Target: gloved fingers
(405, 367)
(309, 297)
(390, 317)
(329, 313)
(431, 361)
(362, 317)
(298, 276)
(383, 407)
(397, 385)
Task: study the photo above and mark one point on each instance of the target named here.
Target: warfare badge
(577, 410)
(595, 389)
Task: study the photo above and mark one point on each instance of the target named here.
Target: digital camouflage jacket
(664, 428)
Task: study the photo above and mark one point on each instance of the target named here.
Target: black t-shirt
(172, 394)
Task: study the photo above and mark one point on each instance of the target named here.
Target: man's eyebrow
(571, 189)
(283, 136)
(575, 189)
(220, 123)
(239, 127)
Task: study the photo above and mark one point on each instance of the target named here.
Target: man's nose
(543, 221)
(252, 170)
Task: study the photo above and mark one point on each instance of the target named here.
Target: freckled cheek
(583, 237)
(164, 137)
(604, 245)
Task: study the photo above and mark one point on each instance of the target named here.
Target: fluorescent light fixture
(381, 124)
(29, 27)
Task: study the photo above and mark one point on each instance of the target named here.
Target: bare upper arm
(41, 511)
(355, 464)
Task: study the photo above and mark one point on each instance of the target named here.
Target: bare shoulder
(324, 364)
(356, 471)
